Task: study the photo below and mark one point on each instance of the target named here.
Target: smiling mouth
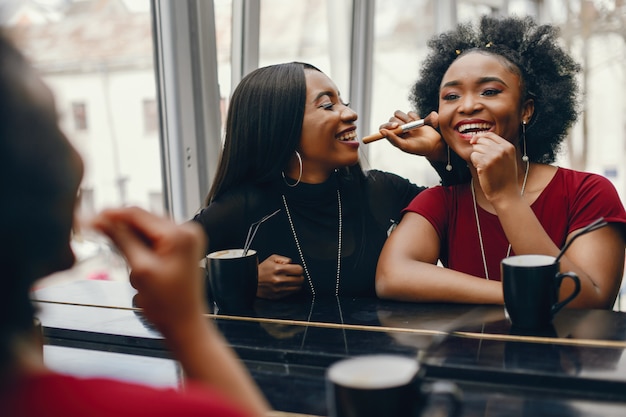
(348, 136)
(473, 128)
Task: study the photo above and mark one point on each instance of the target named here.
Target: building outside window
(150, 116)
(79, 115)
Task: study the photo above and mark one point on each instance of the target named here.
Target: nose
(469, 104)
(347, 114)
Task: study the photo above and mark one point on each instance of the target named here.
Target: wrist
(180, 332)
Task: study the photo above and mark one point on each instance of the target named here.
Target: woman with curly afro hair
(503, 94)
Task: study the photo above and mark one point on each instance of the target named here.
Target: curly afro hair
(547, 71)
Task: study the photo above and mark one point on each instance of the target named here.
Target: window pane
(223, 33)
(312, 31)
(399, 48)
(97, 58)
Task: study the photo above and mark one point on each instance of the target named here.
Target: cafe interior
(143, 96)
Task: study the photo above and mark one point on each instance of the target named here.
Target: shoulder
(437, 193)
(574, 176)
(589, 196)
(243, 193)
(234, 202)
(378, 175)
(381, 180)
(581, 182)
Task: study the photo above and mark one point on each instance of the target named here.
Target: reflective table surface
(573, 368)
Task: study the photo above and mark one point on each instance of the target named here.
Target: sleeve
(393, 187)
(387, 195)
(429, 204)
(595, 197)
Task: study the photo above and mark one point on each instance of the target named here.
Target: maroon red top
(571, 201)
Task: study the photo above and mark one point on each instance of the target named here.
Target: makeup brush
(428, 120)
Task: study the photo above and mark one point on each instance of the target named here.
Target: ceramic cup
(232, 279)
(382, 386)
(531, 286)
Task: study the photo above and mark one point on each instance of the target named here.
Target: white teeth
(348, 136)
(474, 126)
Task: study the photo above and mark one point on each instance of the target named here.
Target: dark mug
(531, 284)
(383, 386)
(233, 279)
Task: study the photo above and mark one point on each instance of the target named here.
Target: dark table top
(575, 367)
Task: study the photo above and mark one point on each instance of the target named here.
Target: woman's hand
(495, 161)
(278, 278)
(424, 141)
(163, 258)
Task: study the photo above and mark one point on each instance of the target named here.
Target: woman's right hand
(424, 141)
(278, 278)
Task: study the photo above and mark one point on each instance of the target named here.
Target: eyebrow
(325, 93)
(481, 80)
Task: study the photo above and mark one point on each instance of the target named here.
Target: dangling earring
(525, 156)
(449, 166)
(299, 176)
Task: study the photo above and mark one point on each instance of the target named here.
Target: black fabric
(368, 210)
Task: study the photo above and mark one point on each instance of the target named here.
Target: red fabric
(55, 395)
(571, 200)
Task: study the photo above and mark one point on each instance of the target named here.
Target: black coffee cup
(531, 284)
(383, 386)
(233, 279)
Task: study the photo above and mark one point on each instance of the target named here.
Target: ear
(528, 109)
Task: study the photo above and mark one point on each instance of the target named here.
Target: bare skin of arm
(278, 278)
(163, 259)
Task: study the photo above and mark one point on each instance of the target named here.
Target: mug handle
(446, 391)
(558, 280)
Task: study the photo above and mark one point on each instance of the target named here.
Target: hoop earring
(449, 165)
(525, 156)
(299, 176)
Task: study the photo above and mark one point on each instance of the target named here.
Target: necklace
(295, 237)
(480, 235)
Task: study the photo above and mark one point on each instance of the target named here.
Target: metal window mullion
(246, 16)
(361, 61)
(186, 69)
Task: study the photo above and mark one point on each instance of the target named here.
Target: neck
(308, 177)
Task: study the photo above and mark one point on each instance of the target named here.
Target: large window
(150, 138)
